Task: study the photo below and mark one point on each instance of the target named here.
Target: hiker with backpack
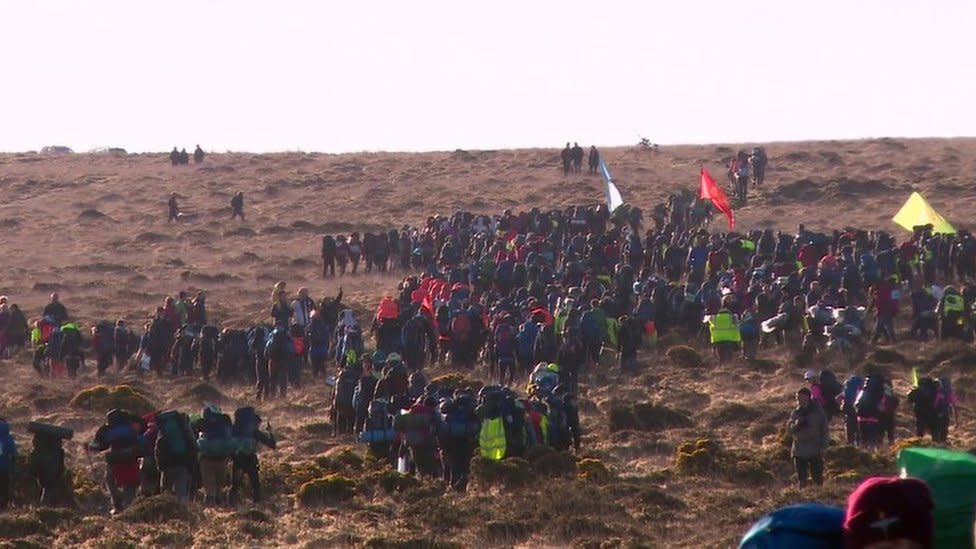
(8, 462)
(120, 439)
(318, 336)
(176, 453)
(248, 435)
(811, 436)
(46, 466)
(216, 446)
(363, 394)
(933, 407)
(343, 412)
(852, 386)
(417, 429)
(457, 437)
(869, 407)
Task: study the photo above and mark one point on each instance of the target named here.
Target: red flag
(710, 191)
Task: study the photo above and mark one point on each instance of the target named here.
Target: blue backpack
(8, 449)
(851, 386)
(802, 526)
(526, 338)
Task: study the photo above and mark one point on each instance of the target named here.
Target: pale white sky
(421, 75)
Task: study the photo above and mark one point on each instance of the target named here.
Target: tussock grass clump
(102, 398)
(685, 356)
(732, 413)
(506, 531)
(887, 356)
(698, 457)
(340, 459)
(454, 381)
(548, 462)
(318, 428)
(326, 491)
(839, 458)
(19, 526)
(594, 470)
(508, 473)
(391, 481)
(172, 539)
(203, 392)
(156, 509)
(412, 543)
(646, 416)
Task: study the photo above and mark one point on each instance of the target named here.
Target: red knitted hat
(889, 508)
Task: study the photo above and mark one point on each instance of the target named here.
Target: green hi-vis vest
(722, 328)
(953, 304)
(491, 440)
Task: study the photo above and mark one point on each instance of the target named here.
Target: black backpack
(869, 399)
(831, 387)
(345, 388)
(923, 396)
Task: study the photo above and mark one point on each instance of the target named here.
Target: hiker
(198, 155)
(328, 256)
(934, 406)
(302, 307)
(55, 311)
(869, 406)
(417, 429)
(8, 462)
(890, 512)
(594, 159)
(215, 449)
(885, 306)
(119, 438)
(846, 400)
(808, 427)
(457, 435)
(629, 339)
(281, 310)
(724, 334)
(46, 465)
(174, 208)
(247, 435)
(237, 206)
(758, 161)
(184, 157)
(577, 154)
(175, 452)
(17, 330)
(951, 312)
(567, 158)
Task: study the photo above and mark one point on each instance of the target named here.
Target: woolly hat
(889, 508)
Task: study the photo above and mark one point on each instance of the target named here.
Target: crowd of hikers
(182, 158)
(540, 298)
(165, 451)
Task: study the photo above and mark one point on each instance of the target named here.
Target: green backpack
(951, 476)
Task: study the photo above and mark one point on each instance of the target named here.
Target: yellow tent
(917, 211)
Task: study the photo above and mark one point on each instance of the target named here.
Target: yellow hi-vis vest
(491, 440)
(953, 304)
(722, 328)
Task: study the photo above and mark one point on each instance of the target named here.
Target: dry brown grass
(644, 479)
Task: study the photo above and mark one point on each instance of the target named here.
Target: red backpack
(461, 327)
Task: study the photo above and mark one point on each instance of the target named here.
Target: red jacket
(883, 300)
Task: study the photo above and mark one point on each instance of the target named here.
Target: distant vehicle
(116, 151)
(57, 149)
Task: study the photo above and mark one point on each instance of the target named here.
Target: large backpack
(923, 397)
(526, 339)
(831, 387)
(461, 327)
(363, 394)
(174, 428)
(54, 343)
(215, 435)
(505, 336)
(345, 388)
(852, 385)
(246, 422)
(105, 337)
(559, 436)
(869, 398)
(416, 427)
(801, 526)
